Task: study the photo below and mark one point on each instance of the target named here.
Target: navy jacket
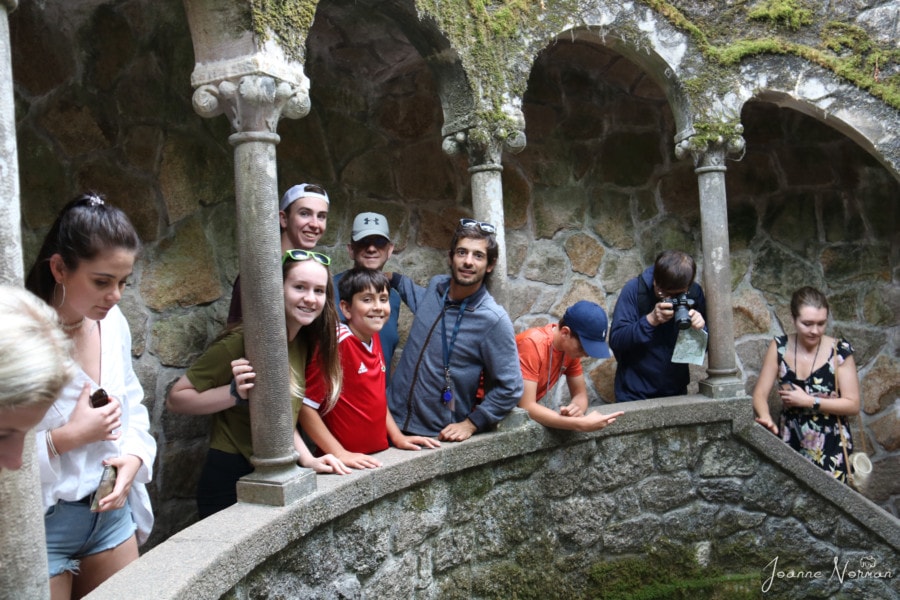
(644, 352)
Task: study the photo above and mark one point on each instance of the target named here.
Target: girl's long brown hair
(320, 338)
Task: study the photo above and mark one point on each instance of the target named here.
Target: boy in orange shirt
(548, 352)
(360, 423)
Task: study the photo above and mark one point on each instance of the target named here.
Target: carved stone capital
(253, 102)
(485, 146)
(709, 153)
(485, 142)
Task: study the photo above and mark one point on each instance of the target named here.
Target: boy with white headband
(303, 215)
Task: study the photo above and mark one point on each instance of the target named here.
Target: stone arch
(863, 126)
(443, 61)
(662, 69)
(227, 38)
(792, 82)
(454, 88)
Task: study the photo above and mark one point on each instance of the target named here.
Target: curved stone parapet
(689, 472)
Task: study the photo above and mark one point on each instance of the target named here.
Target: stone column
(485, 149)
(10, 212)
(709, 161)
(254, 104)
(23, 553)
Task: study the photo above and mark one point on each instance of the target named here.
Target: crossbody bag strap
(862, 434)
(840, 421)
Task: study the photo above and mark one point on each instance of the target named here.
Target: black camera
(682, 306)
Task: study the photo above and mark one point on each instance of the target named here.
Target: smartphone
(787, 386)
(107, 484)
(99, 398)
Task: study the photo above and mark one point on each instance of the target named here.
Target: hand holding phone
(106, 487)
(99, 398)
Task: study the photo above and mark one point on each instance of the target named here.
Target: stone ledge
(868, 514)
(212, 556)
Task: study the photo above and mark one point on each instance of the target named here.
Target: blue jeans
(74, 532)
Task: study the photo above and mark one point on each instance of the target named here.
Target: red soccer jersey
(358, 418)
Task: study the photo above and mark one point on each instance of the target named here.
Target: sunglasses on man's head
(298, 255)
(485, 227)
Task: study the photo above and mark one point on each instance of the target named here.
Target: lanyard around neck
(448, 346)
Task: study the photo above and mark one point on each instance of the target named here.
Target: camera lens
(682, 316)
(682, 306)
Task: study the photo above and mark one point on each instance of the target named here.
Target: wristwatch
(238, 401)
(816, 402)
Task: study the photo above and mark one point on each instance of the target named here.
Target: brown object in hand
(99, 398)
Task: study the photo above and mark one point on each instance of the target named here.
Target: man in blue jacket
(644, 328)
(459, 336)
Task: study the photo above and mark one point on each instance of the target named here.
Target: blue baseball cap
(588, 321)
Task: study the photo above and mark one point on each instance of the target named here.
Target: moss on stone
(668, 570)
(486, 33)
(471, 487)
(534, 572)
(421, 499)
(715, 132)
(787, 13)
(846, 50)
(288, 20)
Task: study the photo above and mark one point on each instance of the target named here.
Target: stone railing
(526, 507)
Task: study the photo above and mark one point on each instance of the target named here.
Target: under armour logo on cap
(368, 224)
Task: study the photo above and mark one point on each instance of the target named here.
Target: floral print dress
(813, 433)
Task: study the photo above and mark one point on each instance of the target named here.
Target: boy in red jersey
(360, 423)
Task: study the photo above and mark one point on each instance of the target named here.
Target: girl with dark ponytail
(87, 435)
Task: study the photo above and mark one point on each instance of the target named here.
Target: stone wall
(686, 492)
(103, 101)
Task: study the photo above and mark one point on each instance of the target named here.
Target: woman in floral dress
(804, 365)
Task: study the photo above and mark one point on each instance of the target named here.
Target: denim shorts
(74, 532)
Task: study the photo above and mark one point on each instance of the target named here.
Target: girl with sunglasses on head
(219, 381)
(92, 532)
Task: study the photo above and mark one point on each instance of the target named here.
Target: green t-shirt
(230, 431)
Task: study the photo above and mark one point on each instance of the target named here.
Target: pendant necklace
(815, 356)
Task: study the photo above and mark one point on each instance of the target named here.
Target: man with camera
(652, 310)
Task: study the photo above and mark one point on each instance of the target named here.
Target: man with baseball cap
(548, 352)
(370, 247)
(303, 215)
